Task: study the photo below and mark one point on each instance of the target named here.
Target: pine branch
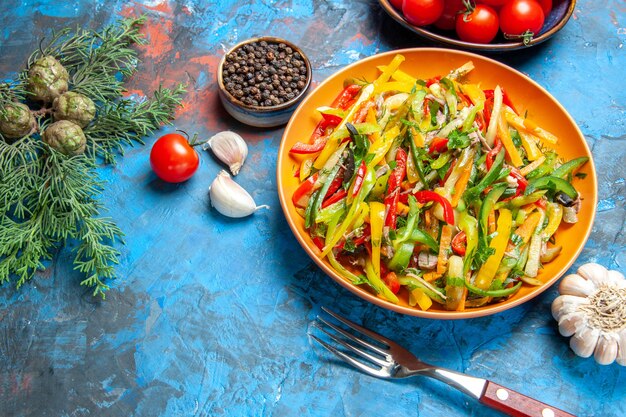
(48, 198)
(125, 122)
(98, 62)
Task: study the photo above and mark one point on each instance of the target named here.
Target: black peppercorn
(264, 73)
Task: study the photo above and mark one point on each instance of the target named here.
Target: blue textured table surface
(210, 315)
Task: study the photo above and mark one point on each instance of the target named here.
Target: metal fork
(391, 361)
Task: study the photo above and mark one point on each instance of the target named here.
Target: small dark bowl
(557, 18)
(261, 116)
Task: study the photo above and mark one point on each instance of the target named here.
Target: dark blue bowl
(557, 18)
(261, 116)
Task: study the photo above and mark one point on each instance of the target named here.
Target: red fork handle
(517, 405)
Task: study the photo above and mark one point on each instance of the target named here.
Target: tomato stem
(526, 37)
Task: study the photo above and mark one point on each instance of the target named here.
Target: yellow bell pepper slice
(530, 146)
(507, 142)
(554, 211)
(475, 93)
(371, 119)
(377, 221)
(418, 297)
(382, 145)
(401, 86)
(305, 168)
(499, 243)
(398, 75)
(389, 70)
(525, 124)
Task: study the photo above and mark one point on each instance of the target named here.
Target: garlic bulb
(230, 148)
(592, 309)
(230, 198)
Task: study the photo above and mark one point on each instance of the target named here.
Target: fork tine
(353, 337)
(347, 358)
(349, 346)
(369, 333)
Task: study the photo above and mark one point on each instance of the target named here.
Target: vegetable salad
(435, 187)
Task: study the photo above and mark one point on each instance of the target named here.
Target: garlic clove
(621, 348)
(230, 148)
(583, 343)
(606, 349)
(616, 278)
(565, 304)
(595, 273)
(570, 323)
(574, 284)
(230, 198)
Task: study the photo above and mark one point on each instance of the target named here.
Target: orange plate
(425, 63)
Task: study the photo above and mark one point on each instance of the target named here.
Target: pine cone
(66, 137)
(74, 107)
(47, 79)
(16, 121)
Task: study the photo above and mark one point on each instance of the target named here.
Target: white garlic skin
(595, 273)
(583, 343)
(616, 278)
(230, 148)
(231, 199)
(565, 304)
(571, 323)
(621, 348)
(574, 284)
(606, 349)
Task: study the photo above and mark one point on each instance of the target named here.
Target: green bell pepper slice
(551, 182)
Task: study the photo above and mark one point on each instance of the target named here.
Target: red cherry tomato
(520, 16)
(492, 3)
(546, 6)
(396, 3)
(422, 12)
(478, 26)
(173, 159)
(447, 20)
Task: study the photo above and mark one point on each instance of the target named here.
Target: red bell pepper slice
(362, 113)
(301, 196)
(522, 182)
(367, 233)
(359, 179)
(541, 203)
(433, 80)
(391, 281)
(318, 139)
(332, 119)
(335, 184)
(505, 98)
(438, 145)
(393, 188)
(308, 148)
(319, 242)
(491, 155)
(459, 244)
(346, 96)
(426, 196)
(335, 197)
